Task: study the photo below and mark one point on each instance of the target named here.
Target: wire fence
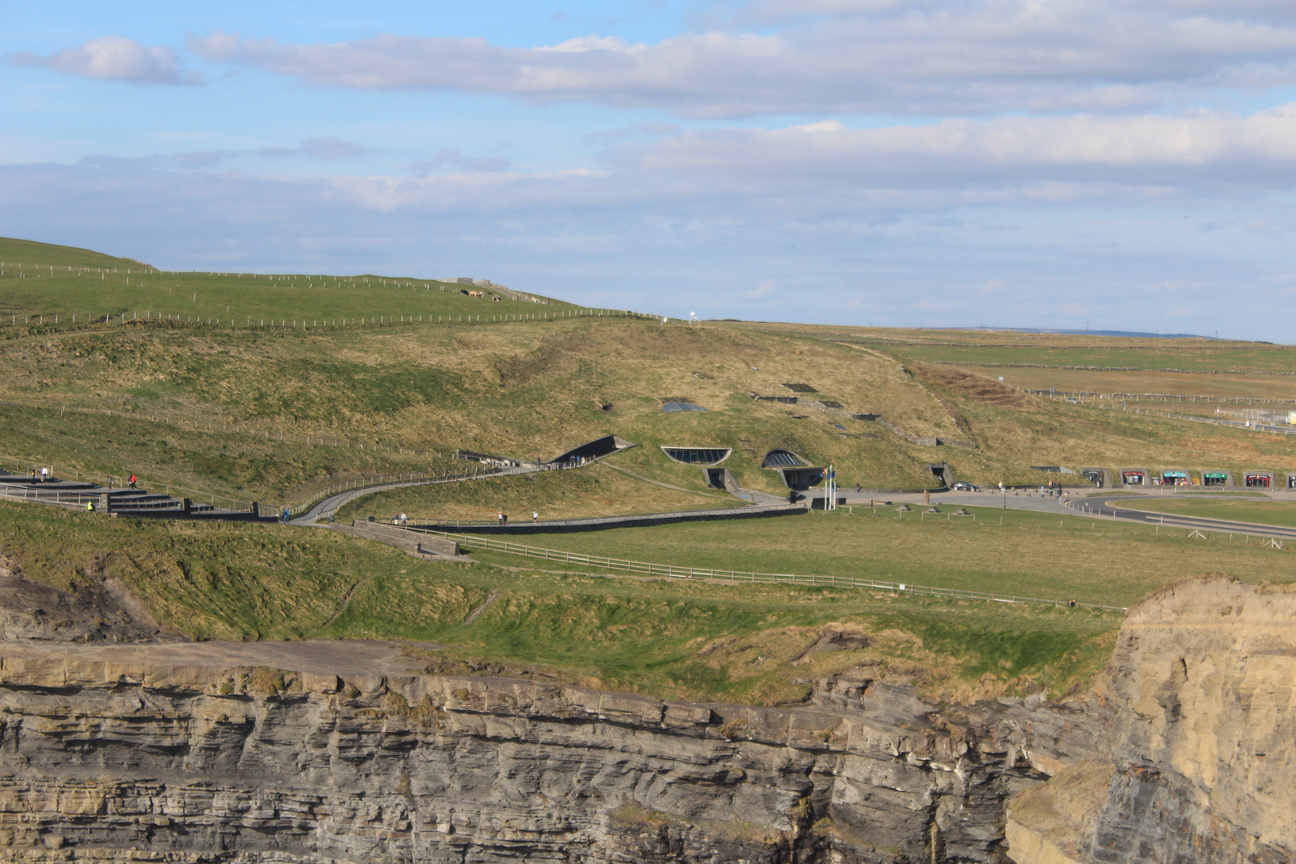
(1160, 397)
(1253, 425)
(260, 321)
(651, 569)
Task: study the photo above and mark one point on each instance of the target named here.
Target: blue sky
(1124, 164)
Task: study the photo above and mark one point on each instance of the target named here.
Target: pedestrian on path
(499, 518)
(287, 514)
(44, 474)
(133, 480)
(535, 514)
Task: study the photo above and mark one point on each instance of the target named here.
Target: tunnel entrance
(802, 478)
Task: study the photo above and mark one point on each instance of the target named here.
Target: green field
(1028, 555)
(1281, 513)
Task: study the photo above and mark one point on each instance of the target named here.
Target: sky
(1104, 164)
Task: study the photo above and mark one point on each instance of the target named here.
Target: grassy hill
(29, 255)
(204, 407)
(187, 387)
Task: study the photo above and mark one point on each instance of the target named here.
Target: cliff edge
(1197, 752)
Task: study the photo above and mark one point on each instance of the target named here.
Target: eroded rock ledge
(106, 755)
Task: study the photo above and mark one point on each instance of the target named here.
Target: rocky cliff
(136, 753)
(1198, 751)
(342, 752)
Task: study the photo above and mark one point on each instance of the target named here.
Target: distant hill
(1129, 334)
(32, 252)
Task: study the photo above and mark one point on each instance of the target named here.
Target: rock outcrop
(1199, 745)
(103, 611)
(104, 756)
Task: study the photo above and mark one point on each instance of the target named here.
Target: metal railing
(670, 570)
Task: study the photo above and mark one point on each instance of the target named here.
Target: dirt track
(321, 657)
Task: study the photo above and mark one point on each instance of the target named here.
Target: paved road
(1116, 507)
(1012, 501)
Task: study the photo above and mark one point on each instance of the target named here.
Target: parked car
(961, 486)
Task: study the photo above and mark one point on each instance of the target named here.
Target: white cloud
(633, 241)
(981, 56)
(1198, 150)
(114, 58)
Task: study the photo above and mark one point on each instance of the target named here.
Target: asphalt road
(1114, 507)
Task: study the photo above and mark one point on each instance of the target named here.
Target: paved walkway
(333, 503)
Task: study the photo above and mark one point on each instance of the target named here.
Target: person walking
(44, 474)
(133, 480)
(499, 518)
(535, 514)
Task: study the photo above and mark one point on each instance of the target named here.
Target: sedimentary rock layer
(106, 756)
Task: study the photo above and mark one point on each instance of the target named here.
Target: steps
(78, 495)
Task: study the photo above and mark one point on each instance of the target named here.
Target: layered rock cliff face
(334, 752)
(107, 756)
(1198, 755)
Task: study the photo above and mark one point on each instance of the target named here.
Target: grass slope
(30, 253)
(595, 490)
(685, 640)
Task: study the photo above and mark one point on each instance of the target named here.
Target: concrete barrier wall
(619, 521)
(406, 541)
